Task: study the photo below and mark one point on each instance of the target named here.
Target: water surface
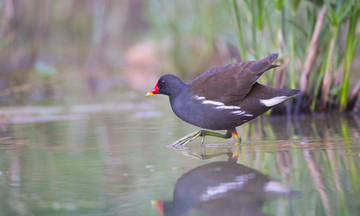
(114, 162)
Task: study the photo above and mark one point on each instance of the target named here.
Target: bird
(222, 98)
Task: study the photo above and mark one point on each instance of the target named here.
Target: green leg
(186, 139)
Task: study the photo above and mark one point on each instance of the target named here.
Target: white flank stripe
(273, 101)
(213, 102)
(199, 97)
(228, 107)
(240, 112)
(219, 105)
(250, 115)
(276, 187)
(221, 189)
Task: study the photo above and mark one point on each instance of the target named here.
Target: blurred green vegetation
(85, 47)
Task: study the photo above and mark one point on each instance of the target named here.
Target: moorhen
(222, 98)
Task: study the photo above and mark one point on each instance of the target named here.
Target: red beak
(154, 90)
(158, 205)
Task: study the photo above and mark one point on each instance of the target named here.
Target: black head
(168, 85)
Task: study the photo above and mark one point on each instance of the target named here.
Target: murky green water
(115, 162)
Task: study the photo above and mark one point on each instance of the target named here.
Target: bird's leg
(237, 143)
(237, 138)
(204, 133)
(186, 139)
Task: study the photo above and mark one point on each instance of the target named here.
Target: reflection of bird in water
(221, 188)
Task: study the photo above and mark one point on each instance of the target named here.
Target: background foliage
(76, 48)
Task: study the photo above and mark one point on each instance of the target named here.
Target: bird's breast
(210, 114)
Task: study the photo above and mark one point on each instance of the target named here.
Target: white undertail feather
(273, 101)
(276, 187)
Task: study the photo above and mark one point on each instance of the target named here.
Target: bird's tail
(289, 92)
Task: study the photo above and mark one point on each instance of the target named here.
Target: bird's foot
(186, 139)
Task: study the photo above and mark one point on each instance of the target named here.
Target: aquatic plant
(310, 38)
(317, 42)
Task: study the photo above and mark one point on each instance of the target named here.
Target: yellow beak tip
(149, 94)
(153, 203)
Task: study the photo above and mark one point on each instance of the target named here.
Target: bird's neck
(179, 89)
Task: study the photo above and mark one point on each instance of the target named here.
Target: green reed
(264, 27)
(240, 38)
(352, 42)
(295, 32)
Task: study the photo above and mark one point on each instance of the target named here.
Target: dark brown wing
(232, 82)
